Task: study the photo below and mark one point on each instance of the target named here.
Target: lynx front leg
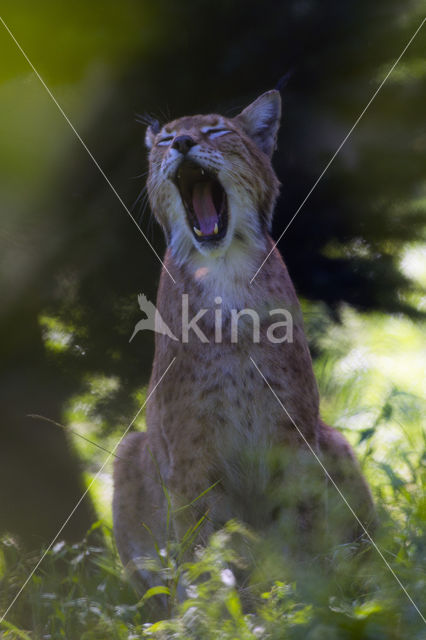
(138, 500)
(193, 510)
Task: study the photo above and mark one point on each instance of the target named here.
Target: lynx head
(211, 184)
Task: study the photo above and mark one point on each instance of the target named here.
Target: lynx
(214, 427)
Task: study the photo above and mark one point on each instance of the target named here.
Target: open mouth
(204, 200)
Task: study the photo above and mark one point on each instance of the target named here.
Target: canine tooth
(202, 172)
(197, 231)
(216, 229)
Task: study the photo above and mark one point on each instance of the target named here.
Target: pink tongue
(204, 208)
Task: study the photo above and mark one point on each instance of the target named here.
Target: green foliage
(79, 590)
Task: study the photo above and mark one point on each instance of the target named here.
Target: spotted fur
(213, 420)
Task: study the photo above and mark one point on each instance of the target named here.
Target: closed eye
(216, 133)
(164, 141)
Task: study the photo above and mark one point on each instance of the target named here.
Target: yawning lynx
(213, 422)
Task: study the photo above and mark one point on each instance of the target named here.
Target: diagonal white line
(96, 163)
(341, 145)
(82, 497)
(318, 459)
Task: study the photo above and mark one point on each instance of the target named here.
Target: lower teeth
(200, 234)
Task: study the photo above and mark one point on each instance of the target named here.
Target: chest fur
(216, 402)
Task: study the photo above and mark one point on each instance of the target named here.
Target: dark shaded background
(69, 250)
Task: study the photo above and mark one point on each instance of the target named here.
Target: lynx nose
(183, 144)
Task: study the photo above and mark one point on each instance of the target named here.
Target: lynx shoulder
(232, 404)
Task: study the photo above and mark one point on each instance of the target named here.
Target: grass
(80, 592)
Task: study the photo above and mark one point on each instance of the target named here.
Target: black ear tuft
(148, 121)
(284, 80)
(261, 119)
(152, 125)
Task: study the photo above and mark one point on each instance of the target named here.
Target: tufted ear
(151, 131)
(152, 127)
(261, 119)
